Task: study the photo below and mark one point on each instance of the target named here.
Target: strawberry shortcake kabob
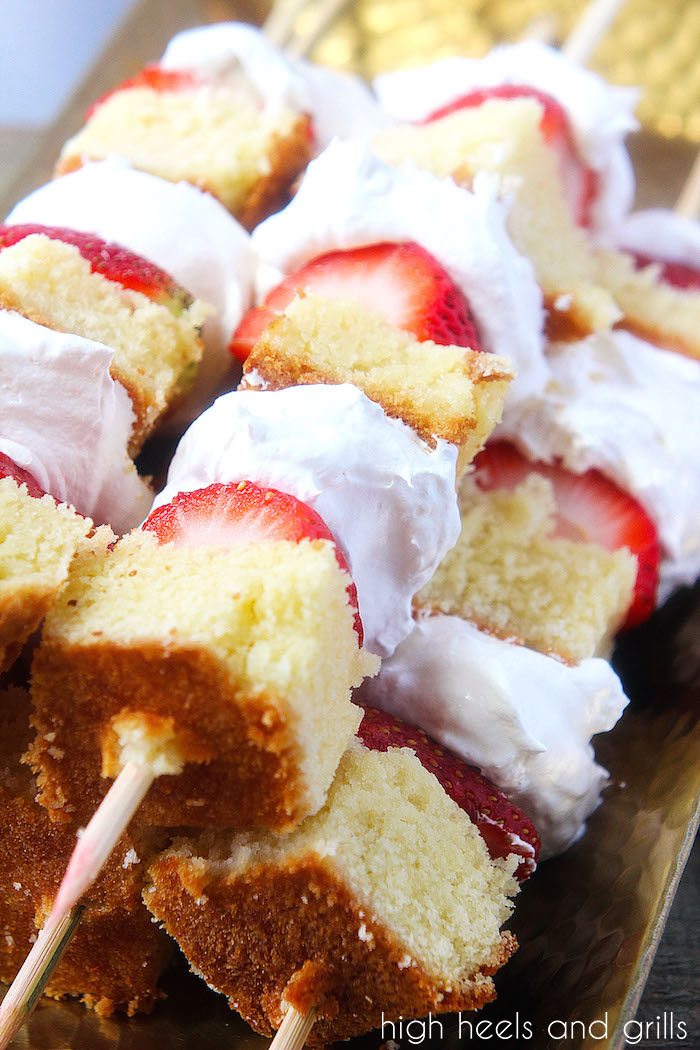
(384, 483)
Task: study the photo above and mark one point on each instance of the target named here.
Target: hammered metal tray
(589, 922)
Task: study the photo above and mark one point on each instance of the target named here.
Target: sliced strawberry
(580, 181)
(243, 512)
(112, 261)
(678, 274)
(9, 469)
(504, 828)
(402, 282)
(153, 77)
(590, 508)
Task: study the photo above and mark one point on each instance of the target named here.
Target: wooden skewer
(279, 25)
(91, 852)
(688, 203)
(28, 985)
(589, 29)
(542, 30)
(294, 1030)
(328, 12)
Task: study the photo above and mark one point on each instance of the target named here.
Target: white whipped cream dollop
(661, 234)
(349, 198)
(338, 103)
(601, 115)
(65, 420)
(184, 231)
(525, 719)
(630, 410)
(387, 497)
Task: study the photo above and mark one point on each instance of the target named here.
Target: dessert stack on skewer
(365, 397)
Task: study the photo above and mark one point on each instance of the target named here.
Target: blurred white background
(46, 49)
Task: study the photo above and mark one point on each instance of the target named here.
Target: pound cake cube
(228, 670)
(116, 956)
(510, 575)
(213, 134)
(38, 539)
(386, 903)
(157, 345)
(504, 137)
(441, 392)
(654, 309)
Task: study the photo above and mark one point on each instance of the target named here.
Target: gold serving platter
(588, 922)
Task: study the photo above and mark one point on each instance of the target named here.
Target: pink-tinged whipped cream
(387, 497)
(524, 719)
(66, 421)
(630, 410)
(338, 104)
(349, 198)
(661, 234)
(186, 232)
(601, 115)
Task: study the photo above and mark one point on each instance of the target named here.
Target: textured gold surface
(654, 44)
(588, 922)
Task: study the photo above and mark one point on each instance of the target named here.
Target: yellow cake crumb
(513, 577)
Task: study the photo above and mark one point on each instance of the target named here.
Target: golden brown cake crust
(21, 612)
(289, 155)
(565, 325)
(239, 762)
(115, 958)
(653, 334)
(291, 933)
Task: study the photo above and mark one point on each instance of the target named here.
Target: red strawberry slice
(590, 508)
(242, 512)
(112, 261)
(680, 275)
(504, 828)
(580, 181)
(153, 77)
(9, 469)
(402, 282)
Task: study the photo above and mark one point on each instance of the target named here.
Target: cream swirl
(661, 234)
(65, 420)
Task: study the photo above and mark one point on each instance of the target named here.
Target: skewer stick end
(294, 1030)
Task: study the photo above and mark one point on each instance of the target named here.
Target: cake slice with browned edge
(660, 302)
(77, 283)
(218, 647)
(116, 956)
(505, 137)
(444, 393)
(211, 131)
(38, 540)
(516, 575)
(385, 904)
